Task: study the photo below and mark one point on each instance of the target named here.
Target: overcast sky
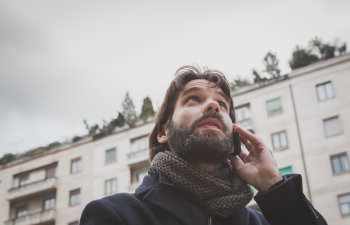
(65, 61)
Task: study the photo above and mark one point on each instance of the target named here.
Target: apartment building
(54, 187)
(303, 116)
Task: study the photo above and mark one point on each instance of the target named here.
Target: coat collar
(157, 190)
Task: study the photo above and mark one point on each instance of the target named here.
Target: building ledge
(34, 218)
(137, 156)
(33, 188)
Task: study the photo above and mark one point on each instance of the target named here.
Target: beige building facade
(304, 117)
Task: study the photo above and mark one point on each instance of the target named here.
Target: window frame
(71, 194)
(75, 160)
(323, 85)
(339, 126)
(116, 184)
(340, 204)
(339, 156)
(109, 161)
(140, 143)
(279, 139)
(275, 112)
(244, 108)
(50, 172)
(25, 207)
(47, 199)
(23, 178)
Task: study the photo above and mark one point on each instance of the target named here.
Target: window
(139, 144)
(340, 163)
(50, 172)
(344, 204)
(286, 170)
(74, 197)
(21, 211)
(23, 180)
(331, 126)
(325, 91)
(141, 175)
(279, 140)
(49, 203)
(242, 113)
(75, 165)
(111, 155)
(74, 223)
(274, 106)
(110, 186)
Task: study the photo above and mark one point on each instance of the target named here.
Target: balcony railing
(35, 218)
(32, 188)
(137, 156)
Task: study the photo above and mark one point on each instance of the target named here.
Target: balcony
(35, 218)
(246, 124)
(137, 156)
(33, 188)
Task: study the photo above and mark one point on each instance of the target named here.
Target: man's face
(201, 128)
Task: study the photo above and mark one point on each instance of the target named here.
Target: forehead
(200, 84)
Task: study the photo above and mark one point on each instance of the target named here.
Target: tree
(55, 144)
(120, 121)
(302, 57)
(147, 109)
(238, 83)
(271, 65)
(7, 158)
(257, 77)
(129, 112)
(342, 49)
(91, 130)
(108, 128)
(324, 50)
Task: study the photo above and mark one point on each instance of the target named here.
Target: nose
(211, 106)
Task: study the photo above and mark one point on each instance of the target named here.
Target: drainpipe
(300, 142)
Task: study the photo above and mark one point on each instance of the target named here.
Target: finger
(236, 161)
(246, 143)
(243, 155)
(246, 134)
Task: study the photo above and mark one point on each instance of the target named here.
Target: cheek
(228, 122)
(184, 116)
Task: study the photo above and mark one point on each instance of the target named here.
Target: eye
(223, 104)
(192, 99)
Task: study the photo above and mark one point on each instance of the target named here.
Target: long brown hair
(182, 76)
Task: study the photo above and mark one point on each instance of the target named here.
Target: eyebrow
(191, 89)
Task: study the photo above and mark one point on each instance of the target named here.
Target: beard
(205, 147)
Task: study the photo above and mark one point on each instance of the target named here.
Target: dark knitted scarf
(220, 192)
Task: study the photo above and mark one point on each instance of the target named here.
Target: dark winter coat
(158, 202)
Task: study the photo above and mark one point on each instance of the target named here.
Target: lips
(211, 123)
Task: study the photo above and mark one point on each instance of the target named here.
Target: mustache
(206, 116)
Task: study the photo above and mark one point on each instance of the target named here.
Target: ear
(162, 137)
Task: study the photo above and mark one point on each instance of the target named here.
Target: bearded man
(195, 178)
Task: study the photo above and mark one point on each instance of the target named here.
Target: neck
(209, 167)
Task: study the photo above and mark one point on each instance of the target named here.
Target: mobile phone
(236, 143)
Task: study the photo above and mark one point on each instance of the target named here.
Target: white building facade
(304, 117)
